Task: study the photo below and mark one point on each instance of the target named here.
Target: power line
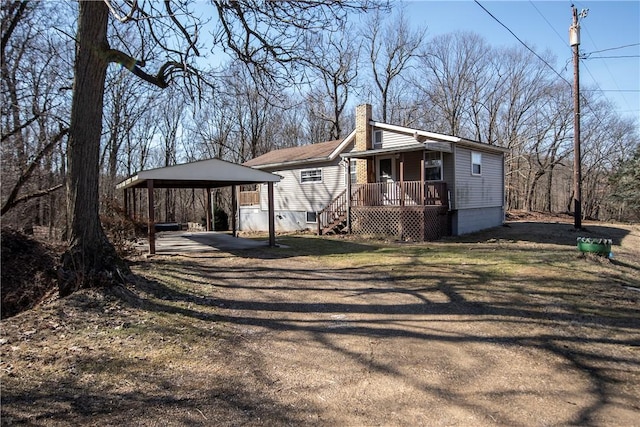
(563, 39)
(611, 90)
(523, 43)
(606, 66)
(611, 57)
(613, 48)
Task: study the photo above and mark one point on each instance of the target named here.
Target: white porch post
(349, 195)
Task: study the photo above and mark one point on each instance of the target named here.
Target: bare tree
(453, 77)
(33, 103)
(335, 65)
(391, 46)
(126, 103)
(551, 143)
(607, 141)
(212, 127)
(265, 36)
(625, 188)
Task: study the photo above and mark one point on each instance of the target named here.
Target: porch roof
(394, 150)
(211, 173)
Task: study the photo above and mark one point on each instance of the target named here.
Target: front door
(386, 170)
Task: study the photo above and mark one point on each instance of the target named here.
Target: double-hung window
(311, 175)
(377, 139)
(476, 163)
(354, 171)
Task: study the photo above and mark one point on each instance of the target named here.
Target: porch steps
(333, 218)
(337, 226)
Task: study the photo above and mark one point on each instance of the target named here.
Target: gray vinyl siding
(486, 190)
(448, 176)
(392, 139)
(292, 195)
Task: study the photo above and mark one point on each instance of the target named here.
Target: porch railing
(408, 193)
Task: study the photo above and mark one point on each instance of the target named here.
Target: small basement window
(476, 163)
(312, 217)
(311, 175)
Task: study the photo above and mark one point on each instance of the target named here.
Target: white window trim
(307, 217)
(476, 163)
(303, 182)
(354, 172)
(374, 143)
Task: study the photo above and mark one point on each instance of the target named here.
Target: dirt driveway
(494, 331)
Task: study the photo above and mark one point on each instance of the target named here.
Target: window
(476, 163)
(354, 175)
(311, 217)
(377, 139)
(433, 166)
(311, 175)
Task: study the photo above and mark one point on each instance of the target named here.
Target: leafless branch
(161, 79)
(30, 196)
(125, 18)
(15, 11)
(19, 128)
(13, 198)
(187, 36)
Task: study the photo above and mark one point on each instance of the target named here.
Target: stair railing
(337, 209)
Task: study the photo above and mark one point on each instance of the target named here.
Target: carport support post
(134, 207)
(209, 216)
(272, 220)
(234, 210)
(126, 203)
(152, 221)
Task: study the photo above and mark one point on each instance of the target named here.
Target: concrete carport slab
(173, 243)
(207, 174)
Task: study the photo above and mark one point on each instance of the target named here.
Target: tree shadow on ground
(575, 325)
(543, 232)
(581, 351)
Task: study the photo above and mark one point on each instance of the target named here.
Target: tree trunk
(91, 259)
(548, 204)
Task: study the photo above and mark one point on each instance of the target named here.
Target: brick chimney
(364, 168)
(363, 130)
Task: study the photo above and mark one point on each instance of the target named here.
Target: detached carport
(205, 174)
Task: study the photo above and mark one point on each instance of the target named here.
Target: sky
(544, 25)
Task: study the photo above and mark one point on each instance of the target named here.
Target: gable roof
(209, 173)
(313, 153)
(327, 151)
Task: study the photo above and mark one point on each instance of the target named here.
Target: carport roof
(209, 173)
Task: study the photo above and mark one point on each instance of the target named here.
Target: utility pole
(574, 41)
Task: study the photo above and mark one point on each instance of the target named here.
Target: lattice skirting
(415, 223)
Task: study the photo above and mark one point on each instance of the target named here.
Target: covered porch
(388, 203)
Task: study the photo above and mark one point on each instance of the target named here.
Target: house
(382, 179)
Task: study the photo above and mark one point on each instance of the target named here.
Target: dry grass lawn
(506, 327)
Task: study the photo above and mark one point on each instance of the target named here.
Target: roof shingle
(319, 151)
